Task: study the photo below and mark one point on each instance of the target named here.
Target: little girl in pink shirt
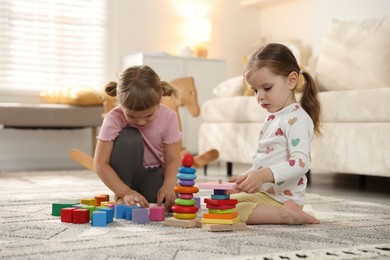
(138, 148)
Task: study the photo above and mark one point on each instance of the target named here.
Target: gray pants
(127, 160)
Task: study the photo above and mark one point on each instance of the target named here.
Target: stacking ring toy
(187, 170)
(186, 176)
(184, 215)
(186, 195)
(183, 189)
(185, 202)
(186, 183)
(184, 209)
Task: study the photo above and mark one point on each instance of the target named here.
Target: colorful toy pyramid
(221, 214)
(185, 208)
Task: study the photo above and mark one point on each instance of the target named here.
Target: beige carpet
(349, 229)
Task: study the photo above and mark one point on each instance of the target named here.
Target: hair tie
(301, 72)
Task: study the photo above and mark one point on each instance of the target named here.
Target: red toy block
(157, 213)
(221, 202)
(67, 215)
(211, 206)
(81, 216)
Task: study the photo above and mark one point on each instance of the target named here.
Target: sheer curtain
(51, 43)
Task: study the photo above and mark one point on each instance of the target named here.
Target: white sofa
(353, 74)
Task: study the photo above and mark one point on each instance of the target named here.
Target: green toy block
(56, 208)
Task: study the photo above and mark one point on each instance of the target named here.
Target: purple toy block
(157, 213)
(197, 199)
(140, 215)
(129, 211)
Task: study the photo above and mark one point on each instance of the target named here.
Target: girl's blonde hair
(139, 88)
(281, 61)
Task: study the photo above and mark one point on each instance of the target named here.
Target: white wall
(307, 20)
(157, 25)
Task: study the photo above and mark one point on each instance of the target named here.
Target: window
(51, 43)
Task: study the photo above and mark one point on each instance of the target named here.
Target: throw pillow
(230, 87)
(355, 55)
(73, 95)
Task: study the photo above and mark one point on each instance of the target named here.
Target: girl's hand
(166, 193)
(233, 179)
(132, 198)
(251, 182)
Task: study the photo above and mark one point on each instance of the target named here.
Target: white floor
(376, 190)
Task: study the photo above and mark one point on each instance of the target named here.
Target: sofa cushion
(233, 109)
(369, 105)
(231, 87)
(355, 55)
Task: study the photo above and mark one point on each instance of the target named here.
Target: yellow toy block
(220, 221)
(89, 201)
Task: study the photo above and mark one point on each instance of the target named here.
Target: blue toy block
(140, 215)
(110, 213)
(220, 197)
(120, 211)
(220, 192)
(129, 211)
(99, 218)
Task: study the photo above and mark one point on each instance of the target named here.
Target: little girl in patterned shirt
(272, 191)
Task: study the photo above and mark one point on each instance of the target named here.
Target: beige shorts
(247, 202)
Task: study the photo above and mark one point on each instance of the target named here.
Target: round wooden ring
(185, 202)
(186, 176)
(187, 183)
(183, 209)
(183, 189)
(188, 170)
(184, 215)
(186, 196)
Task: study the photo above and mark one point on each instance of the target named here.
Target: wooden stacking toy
(221, 214)
(185, 208)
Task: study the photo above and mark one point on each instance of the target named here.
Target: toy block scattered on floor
(99, 218)
(140, 215)
(101, 198)
(186, 223)
(157, 213)
(109, 211)
(120, 211)
(56, 208)
(81, 216)
(67, 215)
(89, 201)
(129, 212)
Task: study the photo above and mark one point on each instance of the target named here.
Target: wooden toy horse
(187, 97)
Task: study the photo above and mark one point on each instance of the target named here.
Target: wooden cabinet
(207, 74)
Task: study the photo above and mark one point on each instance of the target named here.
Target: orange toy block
(221, 216)
(220, 221)
(101, 198)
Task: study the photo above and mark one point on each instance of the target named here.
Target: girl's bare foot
(296, 216)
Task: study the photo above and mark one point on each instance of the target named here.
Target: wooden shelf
(261, 3)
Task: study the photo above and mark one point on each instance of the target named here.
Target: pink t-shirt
(164, 129)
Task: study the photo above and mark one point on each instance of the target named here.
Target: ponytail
(309, 101)
(110, 88)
